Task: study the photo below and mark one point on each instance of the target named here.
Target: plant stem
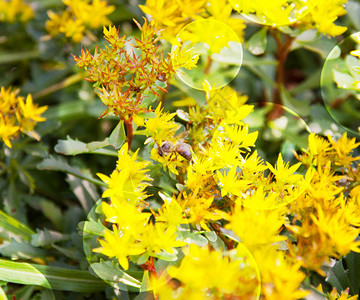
(129, 131)
(208, 65)
(229, 243)
(283, 49)
(58, 86)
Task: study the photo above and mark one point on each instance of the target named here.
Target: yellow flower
(256, 227)
(94, 15)
(182, 56)
(119, 244)
(323, 16)
(160, 128)
(158, 238)
(333, 295)
(253, 167)
(128, 181)
(200, 173)
(283, 172)
(172, 15)
(223, 153)
(276, 13)
(343, 147)
(12, 10)
(240, 135)
(73, 29)
(221, 11)
(198, 208)
(18, 115)
(31, 111)
(206, 274)
(281, 278)
(230, 184)
(79, 15)
(7, 131)
(125, 215)
(171, 213)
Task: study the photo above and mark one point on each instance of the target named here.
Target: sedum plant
(199, 193)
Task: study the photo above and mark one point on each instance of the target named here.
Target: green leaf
(338, 277)
(12, 228)
(314, 42)
(93, 227)
(48, 237)
(230, 234)
(2, 294)
(300, 107)
(163, 255)
(74, 110)
(263, 76)
(146, 283)
(17, 250)
(192, 238)
(251, 60)
(118, 136)
(84, 191)
(9, 57)
(52, 212)
(353, 11)
(258, 41)
(58, 164)
(311, 82)
(353, 66)
(25, 293)
(232, 55)
(183, 115)
(112, 273)
(353, 270)
(71, 253)
(343, 80)
(50, 277)
(211, 236)
(75, 147)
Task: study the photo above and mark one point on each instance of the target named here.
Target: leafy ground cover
(179, 149)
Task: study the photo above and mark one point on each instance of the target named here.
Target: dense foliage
(196, 149)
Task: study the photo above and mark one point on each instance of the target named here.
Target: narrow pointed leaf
(50, 277)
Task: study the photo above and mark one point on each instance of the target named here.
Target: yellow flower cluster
(173, 15)
(18, 115)
(12, 10)
(221, 189)
(323, 16)
(79, 16)
(326, 217)
(132, 234)
(215, 186)
(320, 14)
(199, 274)
(128, 74)
(277, 13)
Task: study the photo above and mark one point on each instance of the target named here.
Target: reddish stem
(283, 49)
(208, 65)
(129, 131)
(229, 243)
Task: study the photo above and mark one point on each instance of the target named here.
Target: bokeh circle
(340, 83)
(108, 269)
(219, 50)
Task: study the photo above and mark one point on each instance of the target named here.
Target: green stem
(6, 58)
(58, 86)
